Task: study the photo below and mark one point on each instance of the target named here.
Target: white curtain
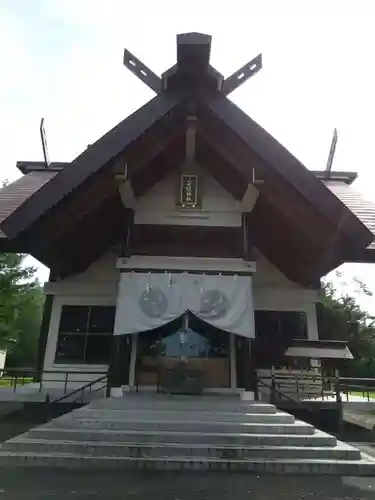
(147, 301)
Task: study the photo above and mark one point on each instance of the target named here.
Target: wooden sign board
(189, 191)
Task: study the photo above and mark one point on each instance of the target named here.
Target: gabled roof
(362, 208)
(91, 161)
(293, 204)
(14, 195)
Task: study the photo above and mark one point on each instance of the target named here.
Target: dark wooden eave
(335, 175)
(94, 158)
(39, 166)
(367, 256)
(287, 166)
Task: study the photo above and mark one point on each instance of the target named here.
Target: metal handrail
(303, 404)
(14, 375)
(82, 389)
(355, 379)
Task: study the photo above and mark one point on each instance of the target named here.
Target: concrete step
(319, 438)
(363, 467)
(182, 403)
(178, 415)
(151, 450)
(298, 427)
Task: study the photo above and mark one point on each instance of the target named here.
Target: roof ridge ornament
(140, 70)
(193, 67)
(331, 155)
(43, 137)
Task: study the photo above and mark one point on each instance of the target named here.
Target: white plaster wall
(100, 279)
(158, 206)
(3, 357)
(96, 286)
(273, 291)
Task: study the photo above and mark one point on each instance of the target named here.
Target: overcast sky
(63, 60)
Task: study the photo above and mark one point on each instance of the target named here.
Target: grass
(8, 382)
(363, 394)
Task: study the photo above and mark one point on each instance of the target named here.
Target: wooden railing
(306, 386)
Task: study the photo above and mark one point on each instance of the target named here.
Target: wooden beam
(92, 160)
(97, 233)
(187, 241)
(141, 71)
(287, 167)
(271, 232)
(157, 140)
(193, 53)
(242, 75)
(168, 160)
(220, 168)
(103, 185)
(274, 187)
(43, 334)
(69, 214)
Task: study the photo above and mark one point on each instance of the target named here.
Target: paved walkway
(44, 484)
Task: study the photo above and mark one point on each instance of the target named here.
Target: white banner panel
(147, 301)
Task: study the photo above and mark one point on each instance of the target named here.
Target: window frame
(279, 330)
(86, 334)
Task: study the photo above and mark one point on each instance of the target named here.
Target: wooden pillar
(43, 335)
(245, 364)
(119, 367)
(250, 372)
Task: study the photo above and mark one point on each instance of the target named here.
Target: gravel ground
(40, 484)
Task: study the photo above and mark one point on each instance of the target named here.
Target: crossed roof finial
(193, 66)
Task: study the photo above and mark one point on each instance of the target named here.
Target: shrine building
(187, 236)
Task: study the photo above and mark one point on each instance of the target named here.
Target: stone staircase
(192, 433)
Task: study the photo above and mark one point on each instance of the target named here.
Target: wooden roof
(13, 195)
(74, 211)
(361, 207)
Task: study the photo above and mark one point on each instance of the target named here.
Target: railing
(21, 377)
(315, 386)
(101, 381)
(303, 386)
(277, 395)
(305, 391)
(356, 386)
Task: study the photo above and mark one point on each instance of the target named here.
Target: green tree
(21, 302)
(341, 318)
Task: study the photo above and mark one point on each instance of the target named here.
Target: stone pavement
(27, 484)
(365, 419)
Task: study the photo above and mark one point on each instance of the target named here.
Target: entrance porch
(191, 358)
(176, 324)
(186, 356)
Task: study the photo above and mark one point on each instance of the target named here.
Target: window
(274, 332)
(280, 325)
(85, 334)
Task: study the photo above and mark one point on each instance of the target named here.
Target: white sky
(63, 60)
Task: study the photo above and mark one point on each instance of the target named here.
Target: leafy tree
(341, 318)
(21, 301)
(23, 353)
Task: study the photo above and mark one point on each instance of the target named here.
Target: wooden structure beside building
(187, 186)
